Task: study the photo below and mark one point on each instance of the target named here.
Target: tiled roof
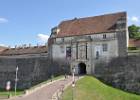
(89, 25)
(2, 48)
(134, 42)
(26, 50)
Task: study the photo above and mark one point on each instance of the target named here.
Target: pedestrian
(65, 75)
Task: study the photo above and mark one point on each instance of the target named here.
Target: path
(46, 92)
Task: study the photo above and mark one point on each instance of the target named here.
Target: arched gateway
(82, 68)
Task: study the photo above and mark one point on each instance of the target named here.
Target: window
(86, 50)
(68, 52)
(104, 36)
(54, 40)
(98, 51)
(62, 48)
(122, 19)
(122, 25)
(105, 48)
(62, 39)
(97, 54)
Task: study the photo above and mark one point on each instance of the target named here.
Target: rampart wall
(32, 70)
(121, 72)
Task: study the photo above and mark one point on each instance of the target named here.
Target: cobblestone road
(46, 92)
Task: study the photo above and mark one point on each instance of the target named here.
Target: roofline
(125, 12)
(84, 34)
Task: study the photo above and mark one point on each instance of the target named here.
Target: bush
(132, 48)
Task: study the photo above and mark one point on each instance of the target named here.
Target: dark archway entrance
(82, 68)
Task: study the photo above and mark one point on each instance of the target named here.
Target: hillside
(89, 88)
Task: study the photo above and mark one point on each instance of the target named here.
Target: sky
(30, 21)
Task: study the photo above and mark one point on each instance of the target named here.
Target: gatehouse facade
(83, 42)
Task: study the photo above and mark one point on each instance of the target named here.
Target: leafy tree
(134, 31)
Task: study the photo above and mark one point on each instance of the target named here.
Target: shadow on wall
(31, 70)
(121, 72)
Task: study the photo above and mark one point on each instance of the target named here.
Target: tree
(134, 31)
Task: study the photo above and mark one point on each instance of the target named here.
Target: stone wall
(122, 43)
(32, 70)
(122, 72)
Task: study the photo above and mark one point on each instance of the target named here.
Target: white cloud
(3, 45)
(3, 20)
(43, 38)
(135, 19)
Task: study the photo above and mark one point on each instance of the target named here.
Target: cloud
(134, 19)
(3, 20)
(43, 38)
(3, 45)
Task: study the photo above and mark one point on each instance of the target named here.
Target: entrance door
(82, 68)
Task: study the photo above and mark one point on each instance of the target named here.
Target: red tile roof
(2, 48)
(89, 25)
(134, 42)
(26, 50)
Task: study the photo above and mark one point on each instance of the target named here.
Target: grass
(5, 94)
(134, 51)
(11, 93)
(89, 88)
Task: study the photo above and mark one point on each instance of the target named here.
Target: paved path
(46, 92)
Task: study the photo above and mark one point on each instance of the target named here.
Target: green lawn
(89, 88)
(12, 93)
(134, 51)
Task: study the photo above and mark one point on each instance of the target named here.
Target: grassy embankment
(89, 88)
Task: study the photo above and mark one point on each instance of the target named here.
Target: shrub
(132, 48)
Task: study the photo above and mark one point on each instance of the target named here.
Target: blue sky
(30, 21)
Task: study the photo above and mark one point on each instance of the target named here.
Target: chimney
(19, 46)
(75, 18)
(24, 45)
(29, 45)
(9, 47)
(15, 46)
(37, 45)
(46, 44)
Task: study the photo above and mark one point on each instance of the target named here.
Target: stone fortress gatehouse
(83, 42)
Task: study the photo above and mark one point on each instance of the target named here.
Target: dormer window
(121, 23)
(55, 31)
(104, 36)
(58, 30)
